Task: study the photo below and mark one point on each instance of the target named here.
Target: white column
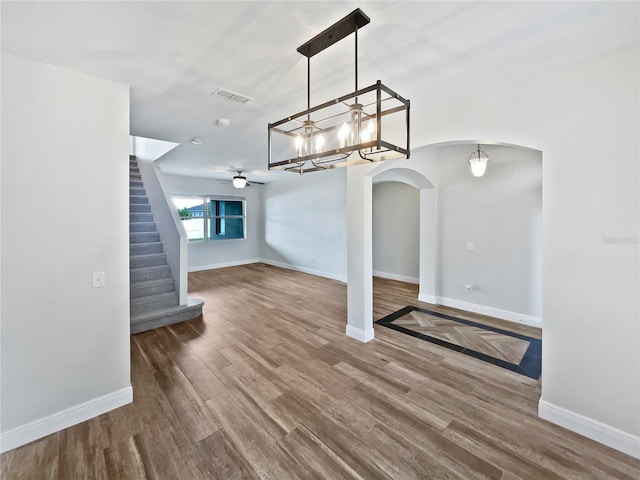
(359, 256)
(429, 246)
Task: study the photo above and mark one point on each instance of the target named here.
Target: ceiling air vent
(230, 95)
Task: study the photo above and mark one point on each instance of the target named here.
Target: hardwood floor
(267, 385)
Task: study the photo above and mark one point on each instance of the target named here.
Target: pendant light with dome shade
(478, 161)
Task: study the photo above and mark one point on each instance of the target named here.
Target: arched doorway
(421, 171)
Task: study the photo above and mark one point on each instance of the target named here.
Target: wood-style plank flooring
(267, 386)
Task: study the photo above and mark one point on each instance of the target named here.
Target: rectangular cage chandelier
(370, 124)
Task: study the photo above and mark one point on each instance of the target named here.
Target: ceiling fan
(239, 180)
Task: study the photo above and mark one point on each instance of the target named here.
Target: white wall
(396, 231)
(305, 223)
(65, 214)
(585, 120)
(501, 214)
(223, 253)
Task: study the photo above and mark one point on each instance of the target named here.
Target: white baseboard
(68, 417)
(490, 311)
(362, 335)
(312, 271)
(593, 429)
(425, 297)
(213, 266)
(395, 276)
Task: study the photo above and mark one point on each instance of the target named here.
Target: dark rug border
(530, 365)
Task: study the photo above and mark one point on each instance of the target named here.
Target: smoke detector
(223, 122)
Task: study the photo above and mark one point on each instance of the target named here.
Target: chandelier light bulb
(343, 133)
(319, 143)
(368, 132)
(299, 143)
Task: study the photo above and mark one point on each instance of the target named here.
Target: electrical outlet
(98, 279)
(471, 246)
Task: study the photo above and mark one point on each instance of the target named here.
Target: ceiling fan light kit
(370, 124)
(239, 181)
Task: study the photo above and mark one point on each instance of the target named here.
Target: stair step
(145, 248)
(139, 208)
(149, 273)
(151, 260)
(136, 177)
(144, 237)
(140, 305)
(166, 316)
(136, 184)
(140, 227)
(137, 191)
(140, 217)
(151, 287)
(133, 169)
(138, 200)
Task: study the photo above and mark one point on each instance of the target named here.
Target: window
(212, 218)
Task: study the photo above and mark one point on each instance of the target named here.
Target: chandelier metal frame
(307, 130)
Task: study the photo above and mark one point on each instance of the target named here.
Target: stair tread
(142, 234)
(142, 227)
(138, 301)
(193, 304)
(152, 267)
(151, 283)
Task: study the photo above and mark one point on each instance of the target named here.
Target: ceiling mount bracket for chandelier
(372, 121)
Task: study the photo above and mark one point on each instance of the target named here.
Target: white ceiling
(174, 54)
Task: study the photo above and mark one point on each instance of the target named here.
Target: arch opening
(438, 195)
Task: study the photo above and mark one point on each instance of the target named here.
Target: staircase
(154, 299)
